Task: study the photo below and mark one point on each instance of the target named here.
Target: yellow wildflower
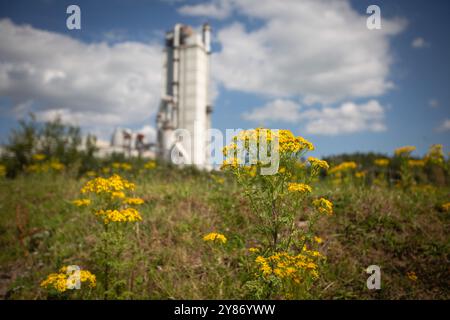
(435, 154)
(116, 165)
(411, 276)
(213, 236)
(91, 173)
(416, 163)
(381, 162)
(344, 166)
(150, 165)
(291, 267)
(287, 143)
(404, 151)
(318, 240)
(39, 156)
(230, 150)
(124, 215)
(118, 194)
(81, 202)
(232, 163)
(56, 165)
(63, 281)
(323, 205)
(318, 163)
(299, 187)
(360, 174)
(446, 206)
(2, 170)
(107, 185)
(135, 201)
(253, 250)
(126, 166)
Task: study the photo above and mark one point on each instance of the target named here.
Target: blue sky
(327, 78)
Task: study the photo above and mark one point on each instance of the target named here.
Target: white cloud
(419, 42)
(93, 85)
(278, 110)
(348, 118)
(215, 9)
(318, 51)
(445, 126)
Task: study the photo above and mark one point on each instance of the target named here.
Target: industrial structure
(184, 115)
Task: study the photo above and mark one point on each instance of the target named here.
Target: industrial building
(184, 115)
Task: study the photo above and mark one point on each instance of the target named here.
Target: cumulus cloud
(216, 9)
(278, 110)
(318, 51)
(445, 126)
(419, 42)
(348, 118)
(94, 85)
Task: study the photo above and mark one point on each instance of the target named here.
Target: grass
(41, 230)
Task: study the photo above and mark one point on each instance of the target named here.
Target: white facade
(184, 114)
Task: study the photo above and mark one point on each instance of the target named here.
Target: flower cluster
(213, 236)
(416, 163)
(81, 202)
(253, 250)
(123, 215)
(360, 174)
(100, 185)
(150, 165)
(323, 206)
(122, 166)
(64, 280)
(299, 187)
(38, 157)
(2, 170)
(344, 166)
(218, 180)
(404, 151)
(317, 163)
(287, 144)
(133, 201)
(291, 267)
(435, 154)
(46, 166)
(91, 173)
(381, 162)
(411, 275)
(231, 163)
(114, 205)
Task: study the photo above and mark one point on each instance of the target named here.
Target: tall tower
(185, 102)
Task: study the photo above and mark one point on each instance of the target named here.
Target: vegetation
(145, 230)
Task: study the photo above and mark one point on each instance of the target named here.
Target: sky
(311, 66)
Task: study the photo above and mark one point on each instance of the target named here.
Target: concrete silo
(185, 104)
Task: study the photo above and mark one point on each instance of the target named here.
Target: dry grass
(41, 230)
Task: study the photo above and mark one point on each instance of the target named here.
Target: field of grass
(399, 230)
